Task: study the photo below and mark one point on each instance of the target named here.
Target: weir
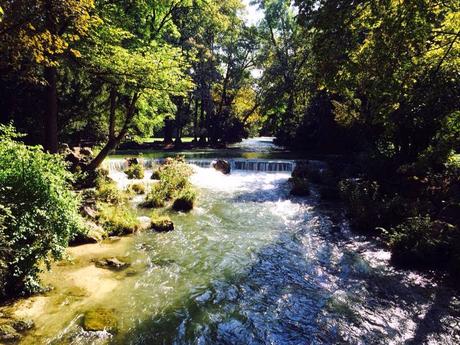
(120, 164)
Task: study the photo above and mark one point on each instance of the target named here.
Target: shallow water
(251, 265)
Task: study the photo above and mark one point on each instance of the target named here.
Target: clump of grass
(108, 191)
(185, 200)
(162, 223)
(118, 219)
(173, 185)
(135, 171)
(136, 188)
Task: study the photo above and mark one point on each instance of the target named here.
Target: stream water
(252, 265)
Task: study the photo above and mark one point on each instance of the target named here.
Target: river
(252, 265)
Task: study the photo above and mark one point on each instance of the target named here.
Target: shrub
(156, 197)
(135, 171)
(118, 219)
(38, 212)
(173, 185)
(184, 200)
(136, 188)
(363, 202)
(421, 241)
(162, 224)
(108, 191)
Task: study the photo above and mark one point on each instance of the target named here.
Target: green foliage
(108, 191)
(135, 171)
(118, 219)
(173, 185)
(184, 200)
(38, 212)
(363, 202)
(422, 241)
(137, 188)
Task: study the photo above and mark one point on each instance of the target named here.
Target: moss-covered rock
(114, 264)
(162, 224)
(8, 333)
(100, 319)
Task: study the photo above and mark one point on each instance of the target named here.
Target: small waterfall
(120, 164)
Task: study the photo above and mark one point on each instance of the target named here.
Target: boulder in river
(112, 264)
(222, 166)
(100, 319)
(11, 329)
(162, 224)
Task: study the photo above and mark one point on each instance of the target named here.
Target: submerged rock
(222, 166)
(162, 224)
(100, 319)
(11, 329)
(8, 333)
(112, 264)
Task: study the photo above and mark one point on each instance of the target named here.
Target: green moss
(100, 319)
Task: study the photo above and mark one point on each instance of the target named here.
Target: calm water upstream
(251, 265)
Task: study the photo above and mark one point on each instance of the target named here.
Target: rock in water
(162, 224)
(8, 333)
(112, 263)
(222, 166)
(100, 319)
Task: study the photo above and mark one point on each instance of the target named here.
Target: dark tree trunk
(50, 120)
(195, 122)
(168, 131)
(113, 142)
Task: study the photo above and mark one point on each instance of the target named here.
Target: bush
(184, 200)
(118, 219)
(108, 191)
(363, 202)
(135, 171)
(162, 224)
(173, 185)
(136, 188)
(157, 197)
(38, 212)
(421, 241)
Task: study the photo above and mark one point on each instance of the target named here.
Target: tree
(35, 37)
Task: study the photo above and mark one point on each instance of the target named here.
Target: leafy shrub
(421, 241)
(135, 171)
(363, 202)
(38, 212)
(118, 219)
(136, 188)
(108, 191)
(173, 185)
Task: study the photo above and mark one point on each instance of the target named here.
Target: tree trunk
(50, 120)
(112, 143)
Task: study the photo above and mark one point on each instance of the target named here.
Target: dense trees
(97, 71)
